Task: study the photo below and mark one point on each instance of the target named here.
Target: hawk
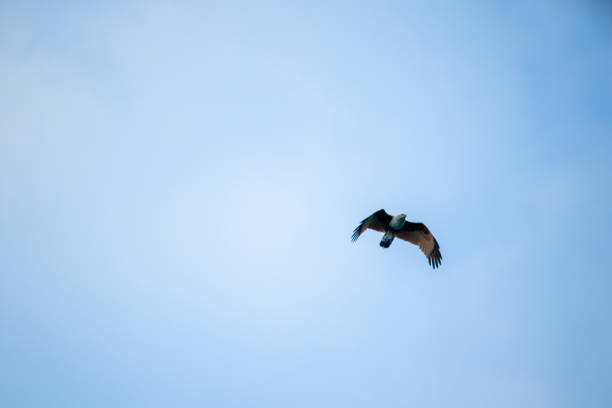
(397, 226)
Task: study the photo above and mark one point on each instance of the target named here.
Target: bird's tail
(387, 239)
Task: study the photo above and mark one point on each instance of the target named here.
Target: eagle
(397, 226)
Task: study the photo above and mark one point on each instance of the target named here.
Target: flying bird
(397, 226)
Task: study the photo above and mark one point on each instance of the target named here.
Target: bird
(397, 226)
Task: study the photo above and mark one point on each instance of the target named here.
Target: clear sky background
(179, 183)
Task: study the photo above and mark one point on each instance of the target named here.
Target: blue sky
(179, 183)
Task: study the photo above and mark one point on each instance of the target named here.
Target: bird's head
(402, 216)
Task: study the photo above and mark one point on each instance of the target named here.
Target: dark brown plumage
(416, 233)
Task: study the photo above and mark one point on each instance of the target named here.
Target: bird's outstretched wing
(418, 234)
(377, 221)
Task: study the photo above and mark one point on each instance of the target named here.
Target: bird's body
(397, 226)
